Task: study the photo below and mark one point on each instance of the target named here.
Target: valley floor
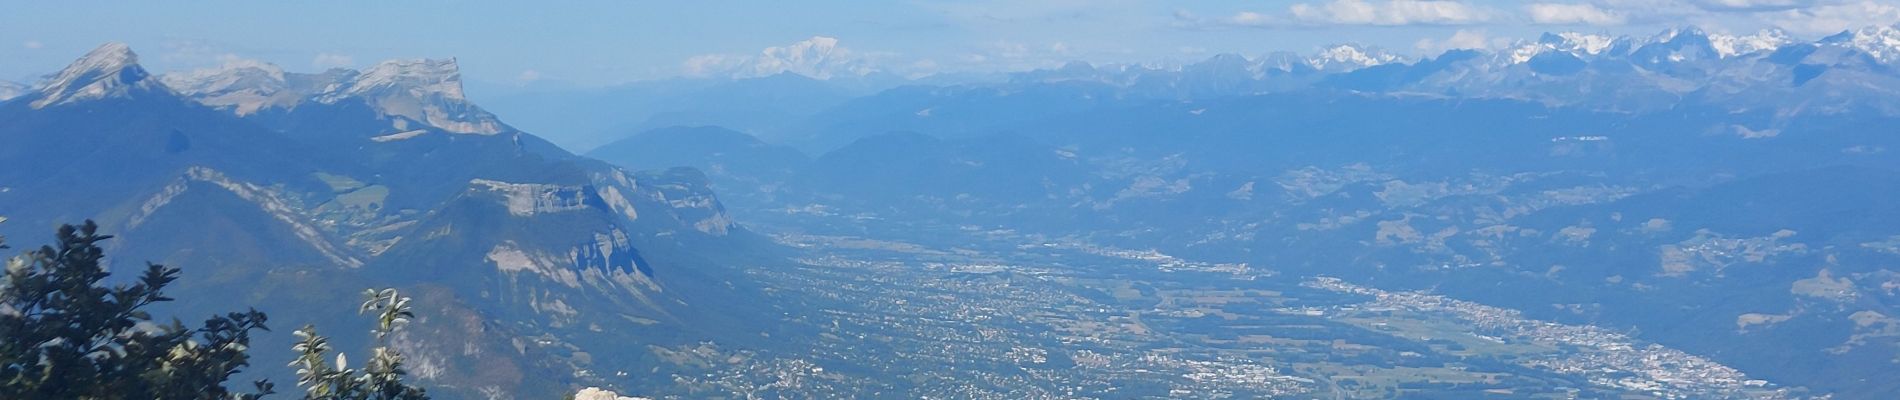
(998, 314)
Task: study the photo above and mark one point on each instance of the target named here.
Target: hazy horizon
(608, 43)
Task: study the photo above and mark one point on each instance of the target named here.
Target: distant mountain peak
(10, 90)
(1227, 58)
(1347, 57)
(243, 85)
(1766, 40)
(1584, 43)
(1680, 34)
(1881, 42)
(231, 73)
(1282, 61)
(112, 70)
(110, 56)
(1677, 45)
(1576, 43)
(1077, 67)
(819, 57)
(424, 90)
(418, 76)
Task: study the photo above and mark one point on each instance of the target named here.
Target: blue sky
(608, 42)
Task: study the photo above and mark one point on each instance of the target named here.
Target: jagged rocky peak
(110, 71)
(1881, 42)
(1671, 45)
(1677, 45)
(1692, 43)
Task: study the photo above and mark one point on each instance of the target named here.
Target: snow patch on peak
(1881, 42)
(1346, 57)
(1588, 44)
(112, 70)
(1675, 46)
(1767, 40)
(1578, 44)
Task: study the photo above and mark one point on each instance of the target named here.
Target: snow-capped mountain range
(1343, 58)
(1764, 69)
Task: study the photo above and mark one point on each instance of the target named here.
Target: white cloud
(1713, 14)
(1389, 13)
(1006, 55)
(706, 65)
(1016, 12)
(1009, 50)
(32, 45)
(1249, 18)
(1751, 5)
(818, 57)
(332, 60)
(1350, 12)
(1833, 18)
(529, 76)
(1461, 40)
(1186, 19)
(922, 68)
(812, 57)
(1574, 14)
